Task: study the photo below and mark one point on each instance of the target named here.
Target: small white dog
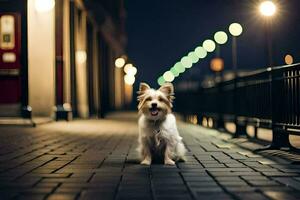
(158, 135)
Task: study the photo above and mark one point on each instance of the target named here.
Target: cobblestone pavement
(96, 159)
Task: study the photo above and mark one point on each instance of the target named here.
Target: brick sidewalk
(96, 159)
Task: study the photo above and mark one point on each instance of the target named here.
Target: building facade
(57, 58)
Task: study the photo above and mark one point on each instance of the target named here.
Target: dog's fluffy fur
(158, 135)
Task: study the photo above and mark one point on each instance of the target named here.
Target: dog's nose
(154, 105)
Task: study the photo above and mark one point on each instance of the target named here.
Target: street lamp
(267, 10)
(235, 29)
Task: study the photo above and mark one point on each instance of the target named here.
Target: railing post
(280, 135)
(280, 138)
(255, 132)
(240, 124)
(241, 128)
(220, 121)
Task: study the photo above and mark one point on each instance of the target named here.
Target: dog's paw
(146, 162)
(169, 162)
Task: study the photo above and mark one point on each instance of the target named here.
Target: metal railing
(267, 98)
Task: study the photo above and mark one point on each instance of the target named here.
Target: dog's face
(155, 104)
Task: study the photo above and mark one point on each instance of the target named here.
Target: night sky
(160, 32)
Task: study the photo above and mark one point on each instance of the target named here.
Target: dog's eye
(149, 99)
(160, 99)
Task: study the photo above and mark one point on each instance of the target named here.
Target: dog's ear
(167, 89)
(142, 90)
(141, 94)
(143, 87)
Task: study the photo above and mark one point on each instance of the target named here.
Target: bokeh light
(161, 81)
(221, 37)
(129, 80)
(132, 71)
(235, 29)
(209, 45)
(80, 56)
(179, 67)
(174, 71)
(217, 64)
(200, 52)
(119, 62)
(186, 62)
(267, 8)
(168, 76)
(193, 57)
(127, 67)
(44, 5)
(288, 59)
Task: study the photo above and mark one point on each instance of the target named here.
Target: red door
(10, 64)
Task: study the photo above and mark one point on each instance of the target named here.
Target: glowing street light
(200, 52)
(221, 37)
(235, 29)
(127, 67)
(174, 71)
(209, 45)
(217, 65)
(267, 8)
(193, 57)
(44, 5)
(179, 67)
(186, 62)
(120, 62)
(288, 59)
(161, 81)
(129, 80)
(132, 71)
(168, 76)
(80, 56)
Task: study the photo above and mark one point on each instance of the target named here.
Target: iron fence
(268, 98)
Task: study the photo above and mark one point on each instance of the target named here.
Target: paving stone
(233, 165)
(243, 188)
(232, 183)
(96, 159)
(207, 184)
(62, 196)
(213, 196)
(197, 178)
(289, 182)
(263, 182)
(207, 190)
(250, 196)
(255, 177)
(282, 195)
(282, 174)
